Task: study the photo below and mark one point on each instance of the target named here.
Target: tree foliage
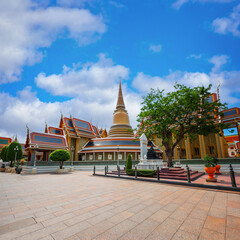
(186, 112)
(60, 156)
(129, 162)
(12, 154)
(4, 154)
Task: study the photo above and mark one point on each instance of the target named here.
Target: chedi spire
(121, 126)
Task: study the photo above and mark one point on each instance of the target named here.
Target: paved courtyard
(80, 206)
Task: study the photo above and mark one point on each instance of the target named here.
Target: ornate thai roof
(4, 142)
(114, 145)
(80, 128)
(54, 130)
(47, 141)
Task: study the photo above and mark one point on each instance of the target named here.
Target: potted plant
(217, 166)
(209, 168)
(60, 156)
(18, 166)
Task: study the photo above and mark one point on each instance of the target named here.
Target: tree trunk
(169, 154)
(61, 165)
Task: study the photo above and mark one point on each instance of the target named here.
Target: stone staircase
(176, 173)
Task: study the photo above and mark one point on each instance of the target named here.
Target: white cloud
(117, 4)
(178, 4)
(229, 24)
(27, 27)
(93, 88)
(156, 48)
(195, 56)
(90, 80)
(18, 111)
(229, 80)
(72, 3)
(218, 61)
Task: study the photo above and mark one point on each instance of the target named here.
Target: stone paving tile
(201, 214)
(120, 217)
(77, 219)
(141, 216)
(99, 218)
(160, 216)
(217, 212)
(233, 222)
(181, 235)
(141, 231)
(233, 204)
(208, 234)
(20, 232)
(215, 224)
(17, 225)
(70, 231)
(192, 225)
(166, 230)
(80, 206)
(95, 230)
(233, 211)
(117, 231)
(58, 219)
(137, 208)
(179, 215)
(47, 238)
(44, 232)
(232, 234)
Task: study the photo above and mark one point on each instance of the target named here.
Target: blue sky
(67, 56)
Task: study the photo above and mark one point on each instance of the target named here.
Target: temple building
(4, 142)
(119, 142)
(232, 135)
(86, 142)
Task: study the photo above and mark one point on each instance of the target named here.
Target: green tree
(129, 162)
(60, 156)
(4, 153)
(173, 116)
(12, 154)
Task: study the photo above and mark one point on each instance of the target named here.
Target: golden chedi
(121, 126)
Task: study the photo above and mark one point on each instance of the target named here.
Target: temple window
(211, 149)
(197, 152)
(183, 152)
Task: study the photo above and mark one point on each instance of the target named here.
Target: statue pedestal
(150, 164)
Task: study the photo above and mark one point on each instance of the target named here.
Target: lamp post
(34, 169)
(35, 157)
(118, 155)
(72, 150)
(16, 150)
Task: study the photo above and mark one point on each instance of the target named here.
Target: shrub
(129, 162)
(141, 172)
(4, 154)
(209, 162)
(60, 156)
(13, 155)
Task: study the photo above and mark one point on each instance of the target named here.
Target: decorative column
(103, 156)
(202, 146)
(188, 149)
(125, 154)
